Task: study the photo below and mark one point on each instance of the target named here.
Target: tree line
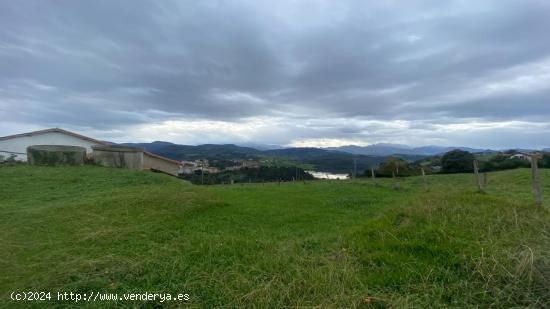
(244, 175)
(455, 161)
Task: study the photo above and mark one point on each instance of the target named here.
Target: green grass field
(383, 243)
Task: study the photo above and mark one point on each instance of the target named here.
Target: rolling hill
(324, 160)
(382, 149)
(209, 151)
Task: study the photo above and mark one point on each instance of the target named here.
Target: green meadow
(381, 243)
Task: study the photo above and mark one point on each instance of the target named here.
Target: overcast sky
(300, 73)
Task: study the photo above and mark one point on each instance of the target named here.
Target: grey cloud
(108, 65)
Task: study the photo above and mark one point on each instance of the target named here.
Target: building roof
(54, 130)
(161, 157)
(528, 154)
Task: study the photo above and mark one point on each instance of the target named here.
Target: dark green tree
(396, 166)
(545, 161)
(457, 161)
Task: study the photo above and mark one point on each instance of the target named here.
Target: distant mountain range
(187, 152)
(334, 159)
(396, 149)
(324, 160)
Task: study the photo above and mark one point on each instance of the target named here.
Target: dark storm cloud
(109, 65)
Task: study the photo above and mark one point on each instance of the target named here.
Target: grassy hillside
(329, 244)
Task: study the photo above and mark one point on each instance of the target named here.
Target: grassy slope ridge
(338, 244)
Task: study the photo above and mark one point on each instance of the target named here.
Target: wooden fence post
(424, 179)
(395, 182)
(536, 179)
(478, 179)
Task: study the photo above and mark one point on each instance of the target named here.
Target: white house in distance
(522, 156)
(16, 145)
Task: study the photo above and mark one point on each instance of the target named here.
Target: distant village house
(243, 164)
(521, 156)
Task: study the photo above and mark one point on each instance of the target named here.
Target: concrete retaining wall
(122, 157)
(55, 155)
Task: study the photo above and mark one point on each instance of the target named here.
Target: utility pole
(354, 168)
(372, 172)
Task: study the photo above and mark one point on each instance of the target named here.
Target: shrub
(395, 166)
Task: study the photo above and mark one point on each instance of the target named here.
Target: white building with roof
(16, 145)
